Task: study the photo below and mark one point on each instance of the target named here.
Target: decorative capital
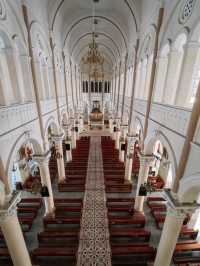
(66, 127)
(177, 208)
(9, 208)
(146, 159)
(179, 214)
(57, 138)
(132, 138)
(42, 158)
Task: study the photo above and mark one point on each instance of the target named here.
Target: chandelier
(93, 57)
(95, 73)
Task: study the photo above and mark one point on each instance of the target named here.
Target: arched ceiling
(116, 26)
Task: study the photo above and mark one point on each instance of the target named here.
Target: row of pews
(187, 249)
(27, 211)
(129, 240)
(59, 240)
(76, 170)
(114, 170)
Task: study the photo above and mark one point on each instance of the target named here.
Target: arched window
(86, 86)
(96, 86)
(92, 86)
(83, 86)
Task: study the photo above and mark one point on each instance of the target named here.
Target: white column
(129, 156)
(45, 71)
(68, 141)
(142, 79)
(121, 152)
(148, 76)
(77, 126)
(13, 235)
(59, 154)
(51, 80)
(28, 80)
(145, 162)
(69, 152)
(172, 76)
(138, 78)
(117, 138)
(190, 64)
(161, 71)
(111, 125)
(43, 162)
(39, 78)
(73, 133)
(171, 229)
(117, 133)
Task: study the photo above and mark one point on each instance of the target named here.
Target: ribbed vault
(116, 26)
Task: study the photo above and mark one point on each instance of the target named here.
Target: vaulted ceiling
(116, 26)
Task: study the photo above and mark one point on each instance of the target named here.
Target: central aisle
(94, 246)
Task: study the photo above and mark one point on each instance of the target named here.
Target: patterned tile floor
(94, 246)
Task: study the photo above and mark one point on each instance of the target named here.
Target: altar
(96, 117)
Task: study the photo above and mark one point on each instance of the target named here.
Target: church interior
(100, 132)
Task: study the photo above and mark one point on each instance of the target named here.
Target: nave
(99, 132)
(95, 220)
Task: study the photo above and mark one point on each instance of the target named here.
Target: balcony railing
(14, 116)
(172, 117)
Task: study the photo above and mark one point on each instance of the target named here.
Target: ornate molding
(42, 158)
(146, 159)
(2, 10)
(186, 11)
(9, 209)
(177, 208)
(57, 138)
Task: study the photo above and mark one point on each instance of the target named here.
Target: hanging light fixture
(93, 59)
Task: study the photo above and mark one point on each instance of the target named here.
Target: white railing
(172, 117)
(14, 116)
(48, 106)
(62, 101)
(140, 106)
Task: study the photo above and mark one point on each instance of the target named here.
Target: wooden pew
(134, 220)
(70, 188)
(119, 188)
(160, 219)
(26, 223)
(118, 200)
(129, 209)
(47, 222)
(29, 213)
(4, 255)
(187, 247)
(53, 252)
(188, 232)
(140, 253)
(68, 200)
(133, 233)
